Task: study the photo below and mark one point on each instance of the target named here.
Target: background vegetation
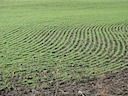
(42, 41)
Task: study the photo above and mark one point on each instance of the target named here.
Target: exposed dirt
(110, 84)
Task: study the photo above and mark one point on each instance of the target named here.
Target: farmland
(45, 41)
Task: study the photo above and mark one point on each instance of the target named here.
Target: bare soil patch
(110, 84)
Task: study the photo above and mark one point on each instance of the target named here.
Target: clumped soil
(110, 84)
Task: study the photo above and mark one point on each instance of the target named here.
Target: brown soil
(110, 84)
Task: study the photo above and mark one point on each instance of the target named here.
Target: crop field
(45, 41)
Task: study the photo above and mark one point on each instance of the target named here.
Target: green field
(42, 41)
